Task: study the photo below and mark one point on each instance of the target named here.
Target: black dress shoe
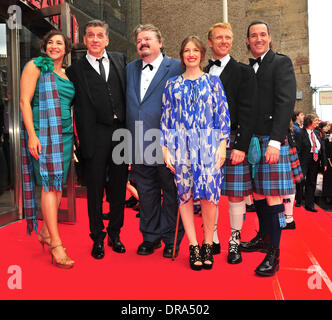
(270, 264)
(312, 209)
(234, 253)
(215, 248)
(168, 251)
(258, 243)
(250, 208)
(116, 244)
(290, 225)
(147, 247)
(98, 251)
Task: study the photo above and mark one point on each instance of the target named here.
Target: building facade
(24, 22)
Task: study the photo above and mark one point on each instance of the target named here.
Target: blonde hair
(222, 25)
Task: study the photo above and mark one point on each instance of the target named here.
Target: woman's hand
(169, 160)
(221, 154)
(34, 146)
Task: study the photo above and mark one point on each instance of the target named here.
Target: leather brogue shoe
(116, 244)
(168, 251)
(258, 243)
(215, 248)
(234, 253)
(148, 247)
(312, 209)
(98, 251)
(270, 264)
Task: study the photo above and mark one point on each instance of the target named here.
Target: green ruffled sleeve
(45, 64)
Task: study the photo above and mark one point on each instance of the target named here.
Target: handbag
(254, 154)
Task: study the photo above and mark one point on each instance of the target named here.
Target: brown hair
(148, 27)
(52, 33)
(198, 43)
(309, 119)
(97, 23)
(222, 25)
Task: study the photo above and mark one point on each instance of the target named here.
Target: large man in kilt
(239, 83)
(276, 95)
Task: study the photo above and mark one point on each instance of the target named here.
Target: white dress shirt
(215, 70)
(147, 74)
(316, 140)
(95, 64)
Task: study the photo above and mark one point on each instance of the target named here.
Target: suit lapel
(227, 72)
(159, 76)
(137, 79)
(266, 61)
(117, 69)
(85, 66)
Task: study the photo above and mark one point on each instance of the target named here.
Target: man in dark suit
(99, 79)
(239, 83)
(146, 79)
(312, 156)
(276, 95)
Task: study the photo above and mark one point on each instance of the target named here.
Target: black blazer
(304, 149)
(239, 83)
(86, 112)
(276, 96)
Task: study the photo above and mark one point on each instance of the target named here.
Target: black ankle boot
(195, 256)
(270, 264)
(234, 253)
(206, 253)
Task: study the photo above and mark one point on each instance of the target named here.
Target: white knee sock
(289, 207)
(215, 233)
(236, 211)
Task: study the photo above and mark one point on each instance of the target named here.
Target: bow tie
(216, 62)
(148, 65)
(253, 61)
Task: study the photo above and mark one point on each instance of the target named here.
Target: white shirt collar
(224, 60)
(92, 59)
(156, 63)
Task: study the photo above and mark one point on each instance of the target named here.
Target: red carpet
(130, 276)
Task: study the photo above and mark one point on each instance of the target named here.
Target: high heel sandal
(63, 262)
(206, 253)
(44, 240)
(195, 256)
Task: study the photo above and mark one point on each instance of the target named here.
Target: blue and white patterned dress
(194, 121)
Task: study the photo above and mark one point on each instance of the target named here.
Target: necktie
(216, 62)
(148, 65)
(253, 61)
(101, 68)
(314, 147)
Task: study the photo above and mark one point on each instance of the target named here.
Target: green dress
(66, 93)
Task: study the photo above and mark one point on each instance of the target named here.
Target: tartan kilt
(295, 165)
(237, 179)
(273, 179)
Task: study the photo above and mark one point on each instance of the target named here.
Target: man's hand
(237, 156)
(272, 155)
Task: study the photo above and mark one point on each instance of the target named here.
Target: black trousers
(95, 172)
(310, 172)
(157, 218)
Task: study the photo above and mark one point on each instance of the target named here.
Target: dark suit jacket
(144, 115)
(85, 109)
(239, 83)
(276, 96)
(304, 149)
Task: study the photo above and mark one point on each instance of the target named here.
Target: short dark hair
(199, 44)
(52, 33)
(97, 23)
(258, 22)
(296, 113)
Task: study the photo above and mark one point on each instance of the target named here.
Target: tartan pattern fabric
(274, 179)
(237, 179)
(295, 165)
(50, 136)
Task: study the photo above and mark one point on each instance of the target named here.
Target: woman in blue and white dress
(195, 127)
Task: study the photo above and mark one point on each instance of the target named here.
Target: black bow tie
(148, 65)
(253, 61)
(216, 62)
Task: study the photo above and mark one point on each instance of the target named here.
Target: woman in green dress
(45, 99)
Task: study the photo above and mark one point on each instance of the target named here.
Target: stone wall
(288, 21)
